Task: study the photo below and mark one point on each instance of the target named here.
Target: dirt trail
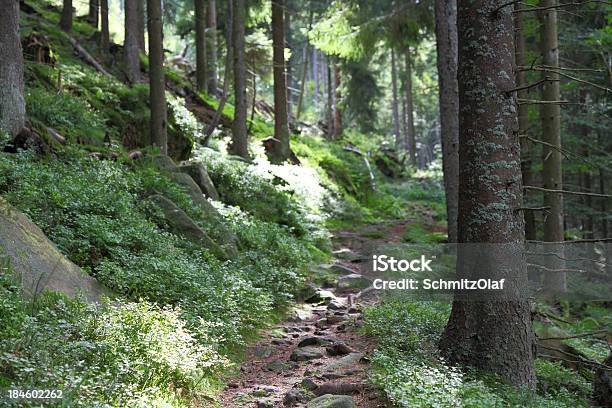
(318, 358)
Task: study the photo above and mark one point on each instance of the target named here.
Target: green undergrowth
(97, 213)
(407, 367)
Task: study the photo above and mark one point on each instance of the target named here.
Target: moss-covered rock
(38, 262)
(199, 174)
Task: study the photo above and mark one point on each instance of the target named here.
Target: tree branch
(548, 190)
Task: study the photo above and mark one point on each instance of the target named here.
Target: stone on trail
(278, 366)
(199, 174)
(347, 255)
(306, 354)
(38, 262)
(294, 396)
(339, 349)
(309, 384)
(354, 281)
(315, 341)
(332, 401)
(262, 351)
(181, 224)
(341, 269)
(321, 295)
(344, 362)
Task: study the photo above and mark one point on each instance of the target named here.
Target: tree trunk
(300, 101)
(395, 103)
(157, 84)
(104, 33)
(239, 145)
(289, 66)
(66, 17)
(140, 26)
(315, 75)
(281, 127)
(554, 282)
(489, 331)
(200, 40)
(523, 119)
(12, 103)
(93, 13)
(410, 132)
(132, 53)
(211, 28)
(446, 41)
(337, 97)
(330, 100)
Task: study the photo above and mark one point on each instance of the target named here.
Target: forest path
(318, 357)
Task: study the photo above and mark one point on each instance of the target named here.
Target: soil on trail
(318, 357)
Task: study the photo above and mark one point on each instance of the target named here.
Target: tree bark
(446, 42)
(410, 132)
(289, 65)
(93, 13)
(315, 75)
(200, 40)
(300, 101)
(66, 17)
(281, 127)
(157, 84)
(12, 103)
(337, 97)
(395, 103)
(523, 119)
(104, 30)
(211, 29)
(489, 331)
(239, 145)
(330, 100)
(550, 114)
(140, 26)
(130, 45)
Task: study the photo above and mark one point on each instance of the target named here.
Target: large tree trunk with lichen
(395, 103)
(446, 41)
(130, 45)
(239, 144)
(200, 41)
(211, 30)
(280, 151)
(491, 331)
(66, 17)
(157, 83)
(550, 113)
(12, 104)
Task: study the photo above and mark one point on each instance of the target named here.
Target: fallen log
(85, 56)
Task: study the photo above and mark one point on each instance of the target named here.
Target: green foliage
(122, 354)
(407, 368)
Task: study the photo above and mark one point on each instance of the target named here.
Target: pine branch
(548, 190)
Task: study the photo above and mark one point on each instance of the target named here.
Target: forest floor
(318, 356)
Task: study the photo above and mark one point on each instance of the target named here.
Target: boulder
(199, 174)
(332, 401)
(226, 238)
(164, 163)
(306, 354)
(180, 224)
(37, 261)
(353, 281)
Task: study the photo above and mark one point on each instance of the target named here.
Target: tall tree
(140, 25)
(200, 40)
(410, 131)
(211, 29)
(446, 45)
(337, 81)
(104, 31)
(131, 49)
(330, 99)
(395, 103)
(94, 12)
(239, 145)
(523, 117)
(492, 332)
(157, 83)
(66, 17)
(281, 127)
(550, 114)
(12, 103)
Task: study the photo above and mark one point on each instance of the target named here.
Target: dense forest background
(191, 192)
